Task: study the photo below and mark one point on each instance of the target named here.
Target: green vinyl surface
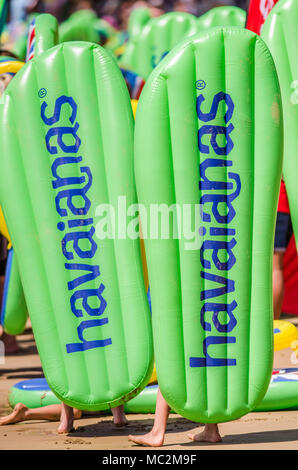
(281, 35)
(137, 20)
(3, 13)
(155, 40)
(209, 139)
(222, 16)
(66, 150)
(42, 35)
(13, 309)
(80, 26)
(45, 33)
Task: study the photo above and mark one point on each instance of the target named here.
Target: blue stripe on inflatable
(7, 59)
(33, 384)
(31, 49)
(284, 379)
(285, 375)
(6, 285)
(42, 385)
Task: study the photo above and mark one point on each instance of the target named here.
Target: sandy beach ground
(276, 430)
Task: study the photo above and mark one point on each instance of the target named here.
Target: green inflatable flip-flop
(281, 35)
(42, 35)
(66, 138)
(208, 151)
(222, 16)
(145, 50)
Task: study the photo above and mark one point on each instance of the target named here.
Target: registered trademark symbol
(200, 84)
(42, 93)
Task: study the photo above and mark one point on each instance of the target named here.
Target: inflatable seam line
(162, 77)
(177, 241)
(253, 201)
(107, 188)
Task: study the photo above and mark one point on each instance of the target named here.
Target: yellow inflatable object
(12, 66)
(120, 50)
(3, 229)
(134, 104)
(153, 379)
(284, 334)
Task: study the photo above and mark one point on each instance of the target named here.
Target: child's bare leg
(156, 436)
(66, 419)
(119, 416)
(10, 343)
(210, 434)
(278, 283)
(22, 413)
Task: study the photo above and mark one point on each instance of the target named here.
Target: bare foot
(210, 434)
(18, 415)
(66, 419)
(121, 422)
(119, 416)
(148, 440)
(65, 428)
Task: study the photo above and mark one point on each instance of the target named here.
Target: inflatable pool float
(86, 295)
(33, 393)
(222, 16)
(284, 334)
(80, 26)
(155, 40)
(14, 312)
(42, 35)
(212, 296)
(3, 13)
(36, 392)
(137, 20)
(281, 35)
(282, 394)
(10, 66)
(84, 25)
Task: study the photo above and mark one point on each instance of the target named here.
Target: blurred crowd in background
(117, 11)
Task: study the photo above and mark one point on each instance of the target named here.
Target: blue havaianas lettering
(71, 200)
(219, 284)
